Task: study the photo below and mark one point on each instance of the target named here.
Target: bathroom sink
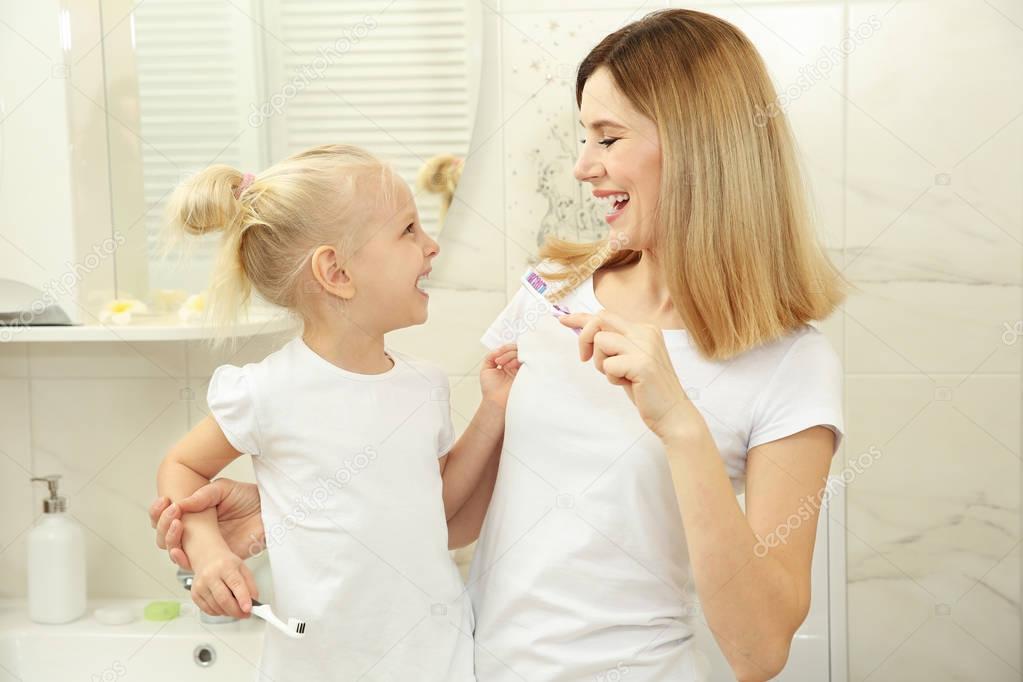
(142, 651)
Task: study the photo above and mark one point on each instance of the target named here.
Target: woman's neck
(350, 348)
(641, 289)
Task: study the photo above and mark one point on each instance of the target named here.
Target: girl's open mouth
(421, 283)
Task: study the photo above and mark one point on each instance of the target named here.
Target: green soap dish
(162, 610)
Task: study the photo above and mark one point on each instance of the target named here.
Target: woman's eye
(608, 141)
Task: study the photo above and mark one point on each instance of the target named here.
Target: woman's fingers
(179, 557)
(210, 495)
(616, 369)
(175, 534)
(169, 515)
(589, 325)
(608, 344)
(156, 509)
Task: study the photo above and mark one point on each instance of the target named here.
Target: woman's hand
(499, 369)
(634, 357)
(238, 516)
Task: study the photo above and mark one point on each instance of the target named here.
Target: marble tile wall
(913, 143)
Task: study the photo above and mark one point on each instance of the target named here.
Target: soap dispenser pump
(56, 562)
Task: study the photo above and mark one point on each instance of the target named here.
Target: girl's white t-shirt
(355, 527)
(581, 571)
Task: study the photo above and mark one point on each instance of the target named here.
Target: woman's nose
(587, 169)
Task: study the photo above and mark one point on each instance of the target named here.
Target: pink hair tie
(246, 181)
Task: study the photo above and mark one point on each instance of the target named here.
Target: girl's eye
(411, 229)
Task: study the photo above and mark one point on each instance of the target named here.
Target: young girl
(345, 433)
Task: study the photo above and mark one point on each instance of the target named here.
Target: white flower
(119, 310)
(192, 309)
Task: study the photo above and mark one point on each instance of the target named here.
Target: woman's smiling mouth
(615, 201)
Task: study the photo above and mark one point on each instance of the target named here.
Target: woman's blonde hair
(273, 224)
(734, 232)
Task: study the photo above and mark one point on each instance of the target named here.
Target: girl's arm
(464, 469)
(464, 527)
(199, 456)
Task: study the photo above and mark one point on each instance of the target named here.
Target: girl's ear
(330, 273)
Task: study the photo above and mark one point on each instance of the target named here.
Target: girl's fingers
(200, 602)
(250, 583)
(240, 589)
(505, 358)
(225, 599)
(206, 602)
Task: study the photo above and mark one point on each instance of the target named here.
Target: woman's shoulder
(803, 347)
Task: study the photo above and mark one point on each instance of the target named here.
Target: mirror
(249, 82)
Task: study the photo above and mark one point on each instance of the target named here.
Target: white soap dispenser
(56, 562)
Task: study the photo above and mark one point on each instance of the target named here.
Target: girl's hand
(634, 357)
(238, 516)
(223, 584)
(499, 369)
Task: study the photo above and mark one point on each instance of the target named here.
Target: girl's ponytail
(210, 201)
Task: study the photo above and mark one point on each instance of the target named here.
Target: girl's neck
(349, 348)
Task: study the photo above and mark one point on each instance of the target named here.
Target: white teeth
(613, 199)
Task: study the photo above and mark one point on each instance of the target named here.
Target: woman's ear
(330, 274)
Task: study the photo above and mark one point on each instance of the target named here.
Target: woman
(613, 505)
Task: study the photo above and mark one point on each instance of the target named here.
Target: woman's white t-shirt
(357, 538)
(581, 571)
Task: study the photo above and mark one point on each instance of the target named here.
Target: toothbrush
(294, 628)
(536, 285)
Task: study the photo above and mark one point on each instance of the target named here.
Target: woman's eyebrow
(602, 123)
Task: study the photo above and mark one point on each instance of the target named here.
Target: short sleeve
(522, 312)
(233, 406)
(518, 317)
(805, 391)
(446, 434)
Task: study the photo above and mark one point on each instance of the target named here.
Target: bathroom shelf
(166, 328)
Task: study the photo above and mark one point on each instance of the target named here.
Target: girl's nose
(432, 247)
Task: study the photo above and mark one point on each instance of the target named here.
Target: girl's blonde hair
(734, 232)
(273, 225)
